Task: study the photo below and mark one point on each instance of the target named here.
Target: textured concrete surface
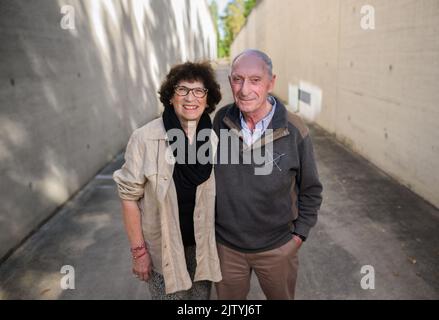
(366, 219)
(69, 99)
(378, 86)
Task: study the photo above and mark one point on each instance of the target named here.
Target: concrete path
(367, 221)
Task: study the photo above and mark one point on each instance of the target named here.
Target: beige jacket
(146, 177)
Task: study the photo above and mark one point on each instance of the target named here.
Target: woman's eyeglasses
(184, 91)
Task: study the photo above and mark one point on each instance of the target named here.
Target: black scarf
(187, 176)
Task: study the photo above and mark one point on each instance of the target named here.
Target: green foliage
(214, 12)
(249, 5)
(232, 21)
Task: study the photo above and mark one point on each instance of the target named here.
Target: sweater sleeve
(309, 193)
(130, 179)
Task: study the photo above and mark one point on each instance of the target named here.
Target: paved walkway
(367, 219)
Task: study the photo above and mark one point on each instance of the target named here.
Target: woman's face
(189, 105)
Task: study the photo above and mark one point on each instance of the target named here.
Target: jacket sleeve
(309, 193)
(130, 179)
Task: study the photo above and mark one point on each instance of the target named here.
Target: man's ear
(230, 80)
(272, 83)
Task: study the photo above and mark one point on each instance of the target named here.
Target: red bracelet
(143, 246)
(139, 256)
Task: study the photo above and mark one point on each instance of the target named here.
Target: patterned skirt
(200, 290)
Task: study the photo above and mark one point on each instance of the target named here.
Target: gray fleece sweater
(256, 212)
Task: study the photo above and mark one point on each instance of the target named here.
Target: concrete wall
(379, 87)
(69, 99)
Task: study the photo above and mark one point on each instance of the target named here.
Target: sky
(221, 5)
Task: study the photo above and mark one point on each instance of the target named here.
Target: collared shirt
(250, 137)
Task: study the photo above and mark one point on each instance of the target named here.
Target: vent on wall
(305, 96)
(305, 99)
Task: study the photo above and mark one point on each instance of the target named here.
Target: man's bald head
(259, 54)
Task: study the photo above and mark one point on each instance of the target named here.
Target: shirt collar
(269, 116)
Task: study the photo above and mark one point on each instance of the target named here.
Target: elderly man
(262, 219)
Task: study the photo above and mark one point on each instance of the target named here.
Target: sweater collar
(279, 121)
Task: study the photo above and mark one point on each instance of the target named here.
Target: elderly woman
(168, 202)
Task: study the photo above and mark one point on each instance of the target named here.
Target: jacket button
(165, 178)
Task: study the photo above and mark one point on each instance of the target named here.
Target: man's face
(251, 83)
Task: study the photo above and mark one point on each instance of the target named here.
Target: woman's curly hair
(191, 71)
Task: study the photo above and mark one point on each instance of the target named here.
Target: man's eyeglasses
(184, 91)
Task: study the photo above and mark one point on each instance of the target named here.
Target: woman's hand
(142, 267)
